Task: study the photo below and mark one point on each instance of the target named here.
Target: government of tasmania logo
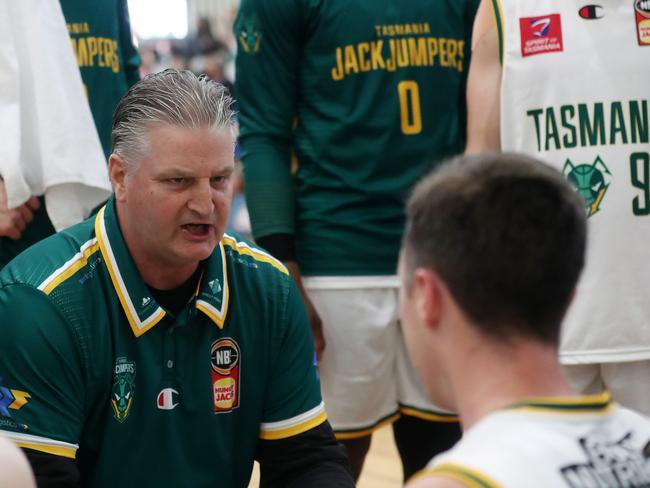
(123, 388)
(590, 180)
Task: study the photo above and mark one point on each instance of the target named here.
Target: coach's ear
(428, 297)
(117, 174)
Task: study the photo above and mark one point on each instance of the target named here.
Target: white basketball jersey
(584, 442)
(576, 93)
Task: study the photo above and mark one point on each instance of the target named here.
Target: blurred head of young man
(493, 248)
(171, 167)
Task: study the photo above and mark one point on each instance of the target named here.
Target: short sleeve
(41, 375)
(293, 405)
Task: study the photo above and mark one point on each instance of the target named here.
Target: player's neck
(492, 378)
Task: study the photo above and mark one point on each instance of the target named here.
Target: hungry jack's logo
(225, 357)
(541, 34)
(642, 17)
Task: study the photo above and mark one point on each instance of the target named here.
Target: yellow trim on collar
(218, 316)
(467, 476)
(133, 321)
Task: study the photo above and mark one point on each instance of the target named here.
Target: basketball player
(493, 249)
(568, 82)
(368, 97)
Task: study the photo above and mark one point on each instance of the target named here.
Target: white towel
(48, 141)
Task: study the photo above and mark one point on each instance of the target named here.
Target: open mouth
(198, 230)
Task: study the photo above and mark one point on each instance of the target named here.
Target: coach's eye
(177, 181)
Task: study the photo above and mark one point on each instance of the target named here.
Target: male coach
(145, 347)
(492, 252)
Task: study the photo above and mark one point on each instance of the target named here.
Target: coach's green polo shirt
(93, 368)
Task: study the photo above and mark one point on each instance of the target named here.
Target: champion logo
(167, 399)
(145, 301)
(591, 12)
(541, 27)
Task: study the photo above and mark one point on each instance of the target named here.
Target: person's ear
(428, 297)
(117, 173)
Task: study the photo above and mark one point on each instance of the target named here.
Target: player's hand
(13, 221)
(312, 314)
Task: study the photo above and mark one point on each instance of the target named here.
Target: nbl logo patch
(225, 357)
(541, 34)
(642, 17)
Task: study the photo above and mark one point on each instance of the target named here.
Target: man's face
(174, 204)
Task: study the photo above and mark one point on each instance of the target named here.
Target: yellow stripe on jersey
(272, 435)
(467, 476)
(42, 444)
(257, 254)
(295, 425)
(78, 261)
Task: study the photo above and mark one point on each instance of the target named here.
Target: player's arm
(42, 386)
(313, 458)
(297, 446)
(130, 55)
(484, 84)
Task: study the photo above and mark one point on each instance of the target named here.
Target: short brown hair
(507, 234)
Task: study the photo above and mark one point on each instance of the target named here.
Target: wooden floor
(382, 468)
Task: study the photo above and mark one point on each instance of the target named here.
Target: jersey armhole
(498, 23)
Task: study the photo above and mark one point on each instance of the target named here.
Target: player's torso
(94, 29)
(380, 102)
(561, 449)
(575, 93)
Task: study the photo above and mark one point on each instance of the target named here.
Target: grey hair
(171, 97)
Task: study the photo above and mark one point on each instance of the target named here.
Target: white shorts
(367, 379)
(628, 382)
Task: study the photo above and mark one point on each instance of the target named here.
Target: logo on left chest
(541, 34)
(225, 356)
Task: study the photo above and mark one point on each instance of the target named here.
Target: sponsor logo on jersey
(11, 399)
(166, 399)
(145, 301)
(590, 180)
(249, 34)
(123, 388)
(642, 16)
(225, 357)
(591, 12)
(613, 464)
(541, 34)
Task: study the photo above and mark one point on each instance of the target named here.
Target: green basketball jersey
(93, 368)
(101, 39)
(369, 96)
